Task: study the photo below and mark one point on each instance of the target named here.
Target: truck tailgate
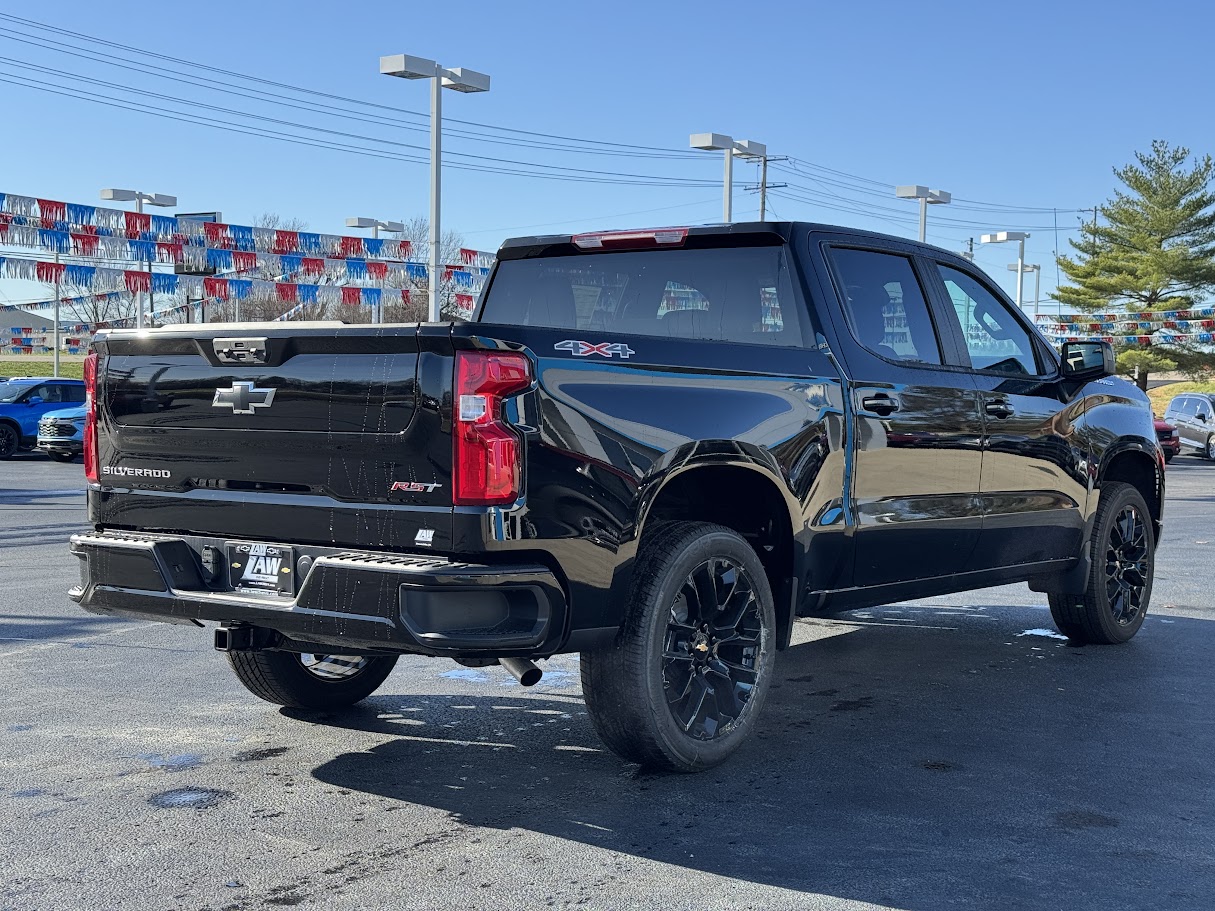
(201, 427)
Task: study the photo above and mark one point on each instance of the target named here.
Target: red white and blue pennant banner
(49, 214)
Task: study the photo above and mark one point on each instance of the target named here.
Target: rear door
(916, 424)
(1034, 486)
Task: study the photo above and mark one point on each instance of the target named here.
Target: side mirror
(1088, 360)
(34, 400)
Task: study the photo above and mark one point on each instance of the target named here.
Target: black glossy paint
(863, 506)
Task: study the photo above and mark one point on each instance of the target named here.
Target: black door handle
(999, 408)
(880, 404)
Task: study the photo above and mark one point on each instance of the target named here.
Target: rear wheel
(1112, 608)
(310, 681)
(8, 440)
(682, 687)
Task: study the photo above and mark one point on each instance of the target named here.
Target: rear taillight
(92, 466)
(487, 465)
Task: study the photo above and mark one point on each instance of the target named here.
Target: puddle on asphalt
(189, 798)
(171, 763)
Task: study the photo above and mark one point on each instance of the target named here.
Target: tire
(1168, 456)
(666, 645)
(310, 681)
(62, 456)
(9, 440)
(1210, 450)
(1112, 609)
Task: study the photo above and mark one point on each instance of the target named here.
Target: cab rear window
(732, 294)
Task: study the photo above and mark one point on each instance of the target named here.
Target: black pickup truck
(655, 448)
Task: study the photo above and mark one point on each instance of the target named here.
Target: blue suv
(24, 401)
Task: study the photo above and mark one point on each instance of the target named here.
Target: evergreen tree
(1156, 250)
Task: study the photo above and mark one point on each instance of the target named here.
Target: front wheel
(684, 683)
(1113, 606)
(310, 681)
(1168, 456)
(1210, 453)
(62, 456)
(8, 440)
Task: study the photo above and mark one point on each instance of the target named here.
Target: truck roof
(754, 231)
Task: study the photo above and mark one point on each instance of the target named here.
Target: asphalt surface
(923, 757)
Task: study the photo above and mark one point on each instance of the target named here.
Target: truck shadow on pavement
(911, 765)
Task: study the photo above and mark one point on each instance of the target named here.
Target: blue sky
(1023, 105)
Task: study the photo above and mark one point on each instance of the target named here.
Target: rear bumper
(362, 602)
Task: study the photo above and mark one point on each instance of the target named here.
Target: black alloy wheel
(1126, 565)
(683, 685)
(711, 649)
(1120, 571)
(8, 441)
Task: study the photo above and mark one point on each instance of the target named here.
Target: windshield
(10, 392)
(739, 294)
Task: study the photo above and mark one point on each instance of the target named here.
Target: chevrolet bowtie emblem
(242, 398)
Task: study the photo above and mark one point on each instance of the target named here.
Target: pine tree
(1156, 250)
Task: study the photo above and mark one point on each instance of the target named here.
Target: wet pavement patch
(853, 705)
(189, 798)
(937, 765)
(176, 763)
(255, 755)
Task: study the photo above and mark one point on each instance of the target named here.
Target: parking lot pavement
(947, 754)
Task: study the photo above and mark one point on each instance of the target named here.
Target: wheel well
(751, 505)
(1140, 471)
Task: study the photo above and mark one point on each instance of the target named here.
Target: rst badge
(604, 349)
(413, 487)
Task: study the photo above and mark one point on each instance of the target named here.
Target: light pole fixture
(1037, 270)
(743, 148)
(1003, 237)
(927, 198)
(139, 198)
(375, 225)
(459, 80)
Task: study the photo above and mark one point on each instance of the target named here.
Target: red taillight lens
(92, 466)
(487, 465)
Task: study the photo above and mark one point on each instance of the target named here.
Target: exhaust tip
(523, 670)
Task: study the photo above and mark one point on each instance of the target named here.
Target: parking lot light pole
(375, 225)
(139, 198)
(459, 80)
(927, 198)
(743, 148)
(1037, 270)
(1003, 237)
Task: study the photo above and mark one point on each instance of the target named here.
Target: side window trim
(946, 303)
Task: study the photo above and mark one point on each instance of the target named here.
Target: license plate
(263, 567)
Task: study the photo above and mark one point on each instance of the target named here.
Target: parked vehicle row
(1193, 414)
(25, 401)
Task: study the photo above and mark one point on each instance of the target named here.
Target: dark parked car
(1170, 442)
(656, 448)
(1193, 414)
(61, 433)
(24, 401)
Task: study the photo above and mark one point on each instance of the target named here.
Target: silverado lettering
(820, 419)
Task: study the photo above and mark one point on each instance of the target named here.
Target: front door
(1034, 488)
(914, 482)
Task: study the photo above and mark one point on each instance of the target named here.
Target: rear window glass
(731, 294)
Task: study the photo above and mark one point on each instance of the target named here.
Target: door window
(994, 338)
(885, 305)
(73, 394)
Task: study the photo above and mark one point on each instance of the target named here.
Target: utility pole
(763, 188)
(970, 249)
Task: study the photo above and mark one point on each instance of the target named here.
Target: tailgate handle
(240, 350)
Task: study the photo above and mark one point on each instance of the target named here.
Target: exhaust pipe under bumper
(523, 670)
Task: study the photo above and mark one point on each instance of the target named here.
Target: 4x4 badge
(585, 349)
